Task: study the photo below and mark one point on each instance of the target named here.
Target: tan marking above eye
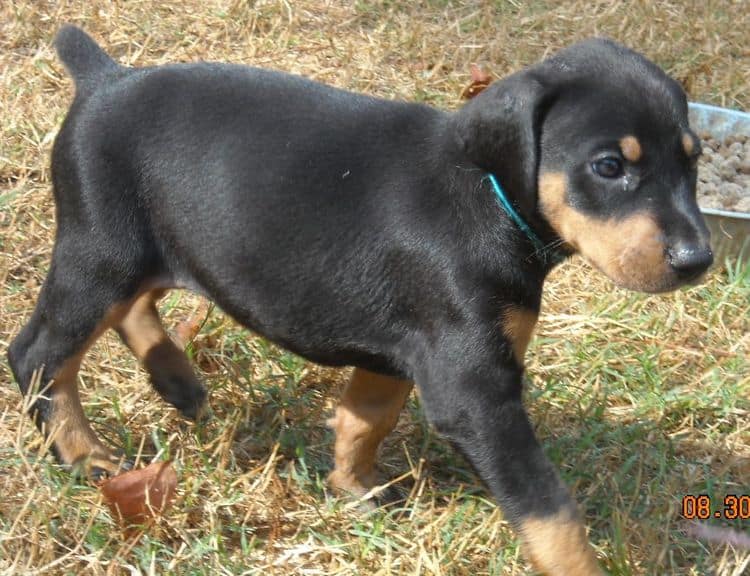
(688, 143)
(631, 148)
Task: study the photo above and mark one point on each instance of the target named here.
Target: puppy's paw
(98, 467)
(186, 394)
(349, 486)
(195, 406)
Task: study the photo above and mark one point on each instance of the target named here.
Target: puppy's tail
(85, 60)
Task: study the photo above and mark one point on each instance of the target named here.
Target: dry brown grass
(640, 399)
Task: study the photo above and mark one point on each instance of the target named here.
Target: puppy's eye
(608, 167)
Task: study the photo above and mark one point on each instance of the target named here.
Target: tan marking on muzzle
(631, 148)
(518, 326)
(558, 546)
(630, 250)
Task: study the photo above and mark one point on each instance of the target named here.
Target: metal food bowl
(730, 231)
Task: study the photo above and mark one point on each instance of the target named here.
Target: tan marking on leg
(74, 439)
(630, 251)
(688, 143)
(145, 335)
(558, 546)
(141, 327)
(631, 148)
(368, 411)
(518, 326)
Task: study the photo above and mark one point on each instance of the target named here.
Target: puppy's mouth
(694, 279)
(640, 275)
(636, 268)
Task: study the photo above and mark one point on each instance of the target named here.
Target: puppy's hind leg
(76, 305)
(170, 371)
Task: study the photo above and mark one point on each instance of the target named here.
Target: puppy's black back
(259, 179)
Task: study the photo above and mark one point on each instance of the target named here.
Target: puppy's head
(594, 147)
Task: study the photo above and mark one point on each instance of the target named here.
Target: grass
(639, 400)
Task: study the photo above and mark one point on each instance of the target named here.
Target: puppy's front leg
(477, 404)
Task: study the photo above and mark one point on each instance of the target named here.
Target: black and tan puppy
(358, 231)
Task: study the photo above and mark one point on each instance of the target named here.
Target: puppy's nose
(690, 261)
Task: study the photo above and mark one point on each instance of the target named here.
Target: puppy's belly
(321, 343)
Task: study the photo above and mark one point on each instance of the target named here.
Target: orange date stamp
(703, 507)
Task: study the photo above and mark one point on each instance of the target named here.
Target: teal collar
(545, 252)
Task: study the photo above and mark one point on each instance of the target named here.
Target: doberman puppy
(406, 241)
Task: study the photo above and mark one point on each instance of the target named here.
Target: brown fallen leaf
(186, 331)
(205, 356)
(479, 81)
(187, 335)
(138, 496)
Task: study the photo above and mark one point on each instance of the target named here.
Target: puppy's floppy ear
(499, 132)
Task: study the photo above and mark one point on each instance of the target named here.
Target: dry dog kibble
(724, 173)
